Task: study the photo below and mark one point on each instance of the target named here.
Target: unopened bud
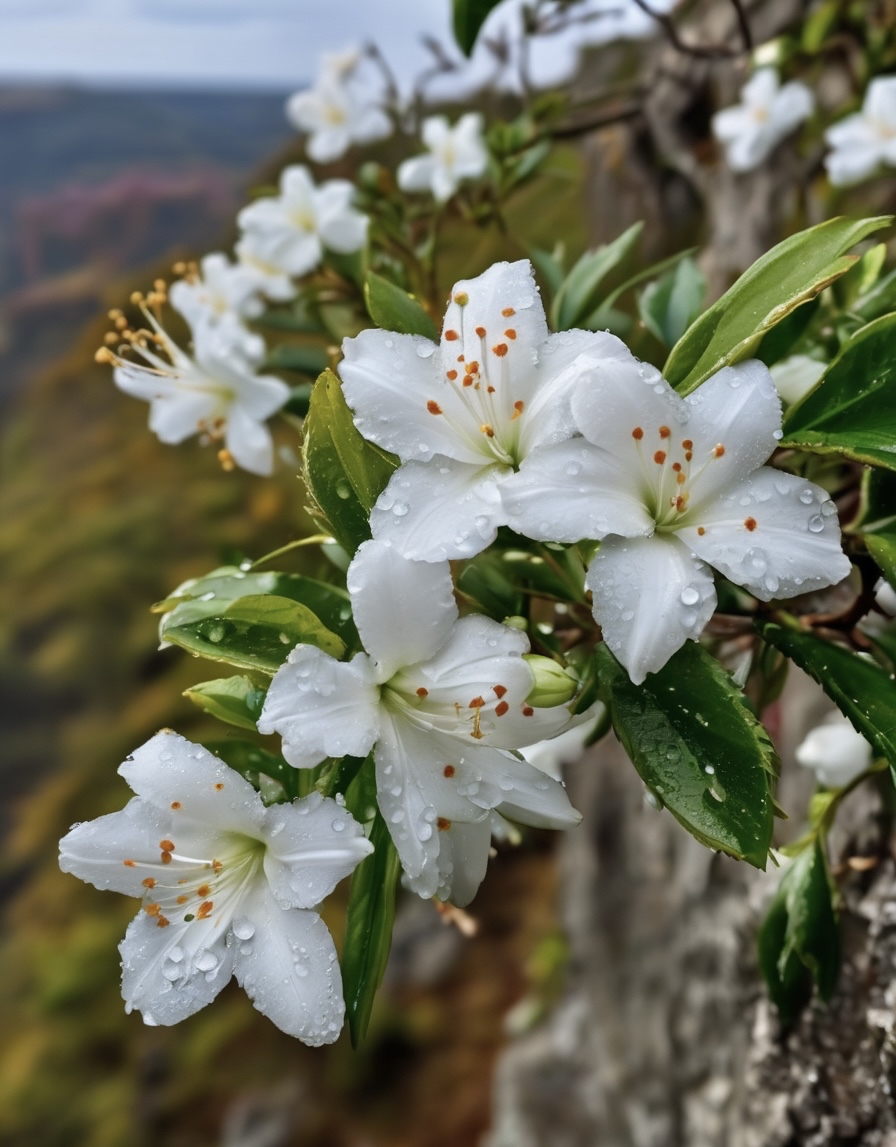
(517, 622)
(554, 685)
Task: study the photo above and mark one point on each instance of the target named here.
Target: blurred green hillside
(97, 521)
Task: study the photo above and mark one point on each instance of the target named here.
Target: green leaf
(250, 761)
(788, 276)
(595, 320)
(235, 700)
(468, 16)
(395, 310)
(208, 596)
(882, 548)
(670, 305)
(697, 747)
(860, 688)
(305, 358)
(579, 293)
(853, 409)
(255, 632)
(798, 940)
(549, 265)
(368, 928)
(344, 474)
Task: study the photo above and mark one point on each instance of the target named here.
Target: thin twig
(744, 24)
(700, 51)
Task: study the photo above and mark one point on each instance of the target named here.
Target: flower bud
(554, 685)
(835, 752)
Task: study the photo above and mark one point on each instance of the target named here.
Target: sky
(263, 44)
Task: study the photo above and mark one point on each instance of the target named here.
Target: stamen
(461, 298)
(443, 824)
(452, 375)
(433, 407)
(687, 444)
(517, 409)
(665, 432)
(719, 450)
(750, 523)
(476, 703)
(701, 531)
(422, 692)
(510, 333)
(637, 434)
(205, 910)
(129, 863)
(219, 786)
(528, 710)
(501, 708)
(176, 805)
(449, 771)
(499, 690)
(487, 430)
(481, 332)
(660, 457)
(507, 312)
(226, 460)
(500, 350)
(451, 336)
(149, 882)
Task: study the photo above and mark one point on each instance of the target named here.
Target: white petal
(852, 164)
(435, 131)
(650, 596)
(621, 406)
(322, 707)
(835, 752)
(572, 491)
(289, 971)
(372, 124)
(165, 975)
(444, 183)
(463, 859)
(793, 104)
(521, 792)
(416, 174)
(296, 185)
(326, 145)
(176, 417)
(737, 409)
(140, 382)
(880, 100)
(564, 362)
(775, 534)
(261, 395)
(344, 231)
(171, 770)
(731, 123)
(312, 844)
(404, 610)
(433, 511)
(389, 380)
(761, 88)
(97, 850)
(796, 376)
(249, 442)
(750, 148)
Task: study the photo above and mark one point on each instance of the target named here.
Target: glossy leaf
(853, 410)
(579, 292)
(669, 305)
(468, 16)
(395, 310)
(882, 547)
(235, 700)
(799, 941)
(255, 632)
(208, 596)
(368, 928)
(344, 474)
(785, 278)
(697, 747)
(860, 688)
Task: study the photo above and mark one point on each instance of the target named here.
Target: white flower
(335, 117)
(795, 376)
(215, 392)
(866, 139)
(439, 700)
(566, 748)
(462, 415)
(272, 282)
(835, 752)
(227, 887)
(676, 485)
(217, 288)
(289, 232)
(455, 153)
(885, 597)
(767, 113)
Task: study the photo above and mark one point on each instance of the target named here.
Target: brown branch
(700, 51)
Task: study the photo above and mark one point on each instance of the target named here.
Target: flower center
(480, 376)
(463, 717)
(670, 469)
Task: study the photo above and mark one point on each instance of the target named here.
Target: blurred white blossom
(835, 752)
(861, 142)
(455, 153)
(796, 376)
(767, 113)
(288, 232)
(218, 287)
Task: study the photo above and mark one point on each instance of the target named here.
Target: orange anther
(490, 390)
(451, 336)
(461, 298)
(205, 910)
(750, 523)
(149, 882)
(499, 690)
(422, 692)
(452, 375)
(202, 891)
(665, 432)
(481, 332)
(166, 858)
(637, 434)
(443, 824)
(660, 457)
(507, 312)
(153, 909)
(701, 531)
(449, 771)
(182, 899)
(468, 380)
(501, 708)
(162, 921)
(166, 845)
(680, 479)
(676, 466)
(528, 710)
(487, 430)
(476, 703)
(219, 786)
(687, 444)
(129, 863)
(176, 804)
(510, 333)
(719, 450)
(473, 366)
(433, 407)
(500, 350)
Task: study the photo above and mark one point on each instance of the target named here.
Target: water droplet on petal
(690, 595)
(807, 497)
(425, 350)
(816, 524)
(243, 928)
